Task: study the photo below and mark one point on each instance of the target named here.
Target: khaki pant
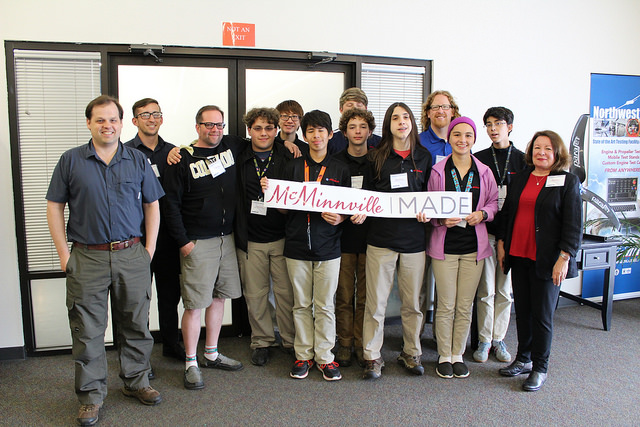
(314, 289)
(262, 262)
(493, 299)
(457, 279)
(350, 299)
(381, 266)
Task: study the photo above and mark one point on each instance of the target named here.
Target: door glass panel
(181, 91)
(314, 90)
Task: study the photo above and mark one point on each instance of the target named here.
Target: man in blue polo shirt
(112, 195)
(437, 112)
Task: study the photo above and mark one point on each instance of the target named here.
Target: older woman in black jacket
(541, 227)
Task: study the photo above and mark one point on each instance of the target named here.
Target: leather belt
(112, 246)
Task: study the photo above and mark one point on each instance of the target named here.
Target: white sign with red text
(310, 196)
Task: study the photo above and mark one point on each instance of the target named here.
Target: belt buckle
(112, 244)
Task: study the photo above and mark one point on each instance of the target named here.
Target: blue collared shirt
(105, 201)
(436, 145)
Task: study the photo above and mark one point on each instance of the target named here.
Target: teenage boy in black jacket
(493, 299)
(312, 249)
(357, 126)
(259, 236)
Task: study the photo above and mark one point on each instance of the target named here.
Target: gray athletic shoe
(222, 362)
(193, 378)
(500, 349)
(482, 353)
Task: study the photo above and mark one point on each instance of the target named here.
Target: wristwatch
(485, 215)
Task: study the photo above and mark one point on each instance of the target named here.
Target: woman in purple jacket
(458, 246)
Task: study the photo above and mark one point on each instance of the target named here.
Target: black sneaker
(260, 356)
(300, 369)
(330, 371)
(343, 356)
(444, 370)
(460, 370)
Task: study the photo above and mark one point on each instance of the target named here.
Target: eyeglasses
(147, 115)
(266, 128)
(210, 125)
(286, 117)
(496, 124)
(445, 107)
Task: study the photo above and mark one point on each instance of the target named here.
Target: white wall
(533, 56)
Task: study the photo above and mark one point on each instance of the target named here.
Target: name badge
(155, 170)
(462, 224)
(439, 158)
(215, 167)
(399, 180)
(502, 195)
(258, 207)
(555, 181)
(356, 181)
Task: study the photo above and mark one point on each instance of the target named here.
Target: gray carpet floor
(594, 379)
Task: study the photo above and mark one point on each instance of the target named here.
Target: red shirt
(523, 243)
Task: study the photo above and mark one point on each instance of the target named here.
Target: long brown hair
(382, 152)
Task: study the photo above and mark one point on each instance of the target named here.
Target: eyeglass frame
(497, 124)
(445, 107)
(293, 117)
(210, 125)
(155, 114)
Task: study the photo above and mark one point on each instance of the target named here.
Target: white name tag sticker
(502, 194)
(215, 167)
(356, 181)
(258, 207)
(555, 181)
(155, 170)
(399, 180)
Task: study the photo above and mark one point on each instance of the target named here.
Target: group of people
(195, 216)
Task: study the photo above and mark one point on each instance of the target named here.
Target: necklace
(538, 181)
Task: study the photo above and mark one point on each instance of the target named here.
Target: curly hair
(365, 115)
(425, 120)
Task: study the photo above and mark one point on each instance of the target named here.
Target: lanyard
(318, 179)
(506, 165)
(454, 175)
(320, 175)
(264, 172)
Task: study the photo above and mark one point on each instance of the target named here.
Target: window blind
(386, 84)
(52, 90)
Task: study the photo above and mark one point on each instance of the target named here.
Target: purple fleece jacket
(488, 202)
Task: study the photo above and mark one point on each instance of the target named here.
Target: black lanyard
(506, 165)
(318, 179)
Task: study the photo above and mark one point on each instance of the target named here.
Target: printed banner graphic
(614, 172)
(311, 196)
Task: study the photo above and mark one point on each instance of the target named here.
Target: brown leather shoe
(147, 395)
(88, 414)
